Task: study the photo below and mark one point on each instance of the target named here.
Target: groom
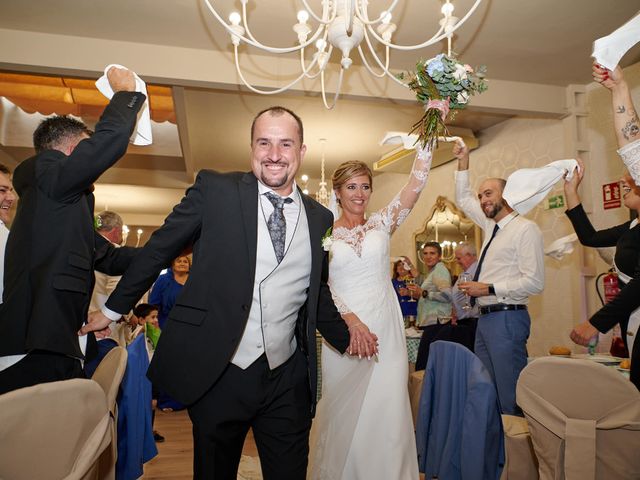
(239, 346)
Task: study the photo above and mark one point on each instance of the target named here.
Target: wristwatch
(492, 291)
(425, 293)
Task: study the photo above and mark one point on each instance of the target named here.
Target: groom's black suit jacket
(53, 249)
(218, 216)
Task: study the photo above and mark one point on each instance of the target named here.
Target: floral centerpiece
(443, 85)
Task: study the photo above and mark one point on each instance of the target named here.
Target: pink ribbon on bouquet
(442, 105)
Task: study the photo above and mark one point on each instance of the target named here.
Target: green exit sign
(557, 201)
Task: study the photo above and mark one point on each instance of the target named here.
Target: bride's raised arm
(399, 208)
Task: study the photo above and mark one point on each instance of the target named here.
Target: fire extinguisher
(611, 291)
(611, 286)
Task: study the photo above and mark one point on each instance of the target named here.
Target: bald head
(491, 201)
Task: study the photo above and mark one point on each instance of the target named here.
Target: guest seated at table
(404, 273)
(434, 304)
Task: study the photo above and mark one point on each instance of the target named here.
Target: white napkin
(561, 247)
(528, 186)
(409, 142)
(143, 126)
(608, 50)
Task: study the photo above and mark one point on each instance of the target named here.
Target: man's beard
(494, 210)
(274, 182)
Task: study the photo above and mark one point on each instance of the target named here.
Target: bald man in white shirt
(510, 270)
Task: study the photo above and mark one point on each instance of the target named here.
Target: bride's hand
(363, 342)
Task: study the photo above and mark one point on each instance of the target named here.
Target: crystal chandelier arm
(269, 92)
(249, 40)
(325, 4)
(336, 95)
(436, 38)
(363, 16)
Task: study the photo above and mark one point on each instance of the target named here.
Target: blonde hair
(350, 169)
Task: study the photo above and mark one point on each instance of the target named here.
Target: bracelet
(355, 325)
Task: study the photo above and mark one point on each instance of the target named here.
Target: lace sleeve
(630, 155)
(340, 305)
(394, 214)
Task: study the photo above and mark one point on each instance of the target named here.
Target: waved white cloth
(608, 50)
(409, 142)
(528, 186)
(142, 133)
(561, 247)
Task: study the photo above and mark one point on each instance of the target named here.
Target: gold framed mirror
(449, 226)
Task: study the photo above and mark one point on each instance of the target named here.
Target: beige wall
(529, 142)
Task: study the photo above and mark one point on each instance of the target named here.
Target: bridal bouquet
(443, 85)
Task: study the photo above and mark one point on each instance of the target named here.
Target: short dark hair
(276, 111)
(143, 310)
(435, 245)
(4, 169)
(55, 130)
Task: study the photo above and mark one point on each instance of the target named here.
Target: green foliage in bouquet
(449, 81)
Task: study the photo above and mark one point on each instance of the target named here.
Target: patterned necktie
(276, 224)
(484, 252)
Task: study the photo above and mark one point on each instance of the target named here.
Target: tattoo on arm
(632, 128)
(620, 109)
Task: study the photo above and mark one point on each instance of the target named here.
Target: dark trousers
(463, 333)
(39, 367)
(276, 404)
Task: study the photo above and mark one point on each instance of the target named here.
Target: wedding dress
(363, 429)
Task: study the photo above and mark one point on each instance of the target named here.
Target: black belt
(500, 307)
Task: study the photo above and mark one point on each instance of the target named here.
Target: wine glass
(410, 281)
(463, 278)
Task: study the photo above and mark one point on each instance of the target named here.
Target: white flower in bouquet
(460, 73)
(463, 97)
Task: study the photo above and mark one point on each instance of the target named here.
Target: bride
(363, 428)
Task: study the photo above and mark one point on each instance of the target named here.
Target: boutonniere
(327, 239)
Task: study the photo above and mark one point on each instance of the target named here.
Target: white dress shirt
(8, 360)
(514, 262)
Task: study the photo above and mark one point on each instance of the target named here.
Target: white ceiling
(544, 42)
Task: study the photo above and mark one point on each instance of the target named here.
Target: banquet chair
(521, 462)
(53, 430)
(584, 419)
(459, 430)
(108, 375)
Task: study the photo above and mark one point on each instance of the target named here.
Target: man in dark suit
(52, 248)
(239, 346)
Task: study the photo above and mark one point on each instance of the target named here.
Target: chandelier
(343, 25)
(322, 195)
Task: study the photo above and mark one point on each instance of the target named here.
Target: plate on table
(604, 359)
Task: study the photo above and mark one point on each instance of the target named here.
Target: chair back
(459, 430)
(584, 419)
(109, 374)
(521, 462)
(53, 430)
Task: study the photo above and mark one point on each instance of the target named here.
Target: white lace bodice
(374, 269)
